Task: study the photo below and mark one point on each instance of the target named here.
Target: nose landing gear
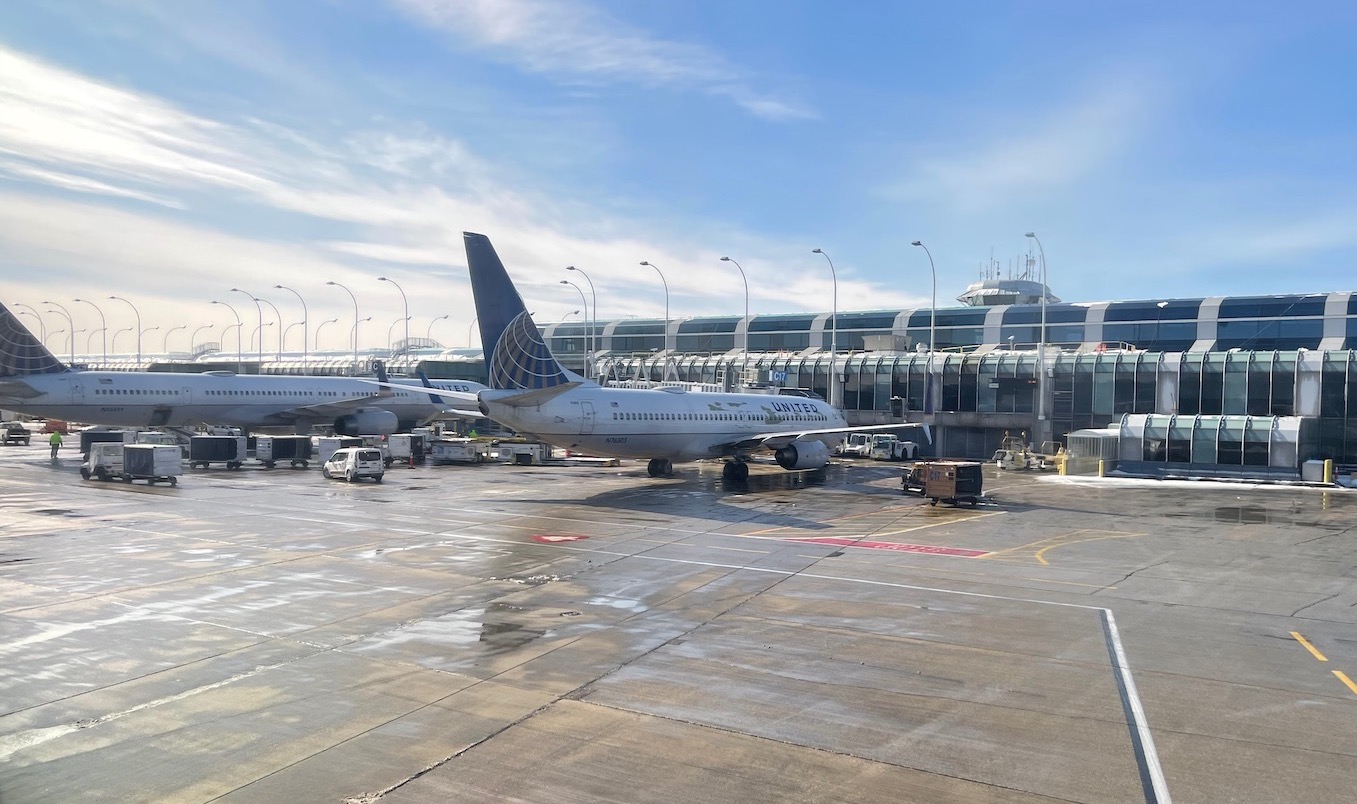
(660, 467)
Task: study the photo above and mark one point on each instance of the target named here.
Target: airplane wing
(468, 400)
(774, 441)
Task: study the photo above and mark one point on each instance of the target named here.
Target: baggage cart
(458, 450)
(154, 463)
(953, 482)
(273, 450)
(206, 450)
(404, 448)
(88, 437)
(327, 445)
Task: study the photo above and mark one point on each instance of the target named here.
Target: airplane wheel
(737, 471)
(659, 467)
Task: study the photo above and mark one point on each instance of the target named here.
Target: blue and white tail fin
(22, 354)
(516, 354)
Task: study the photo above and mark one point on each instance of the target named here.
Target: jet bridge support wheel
(660, 467)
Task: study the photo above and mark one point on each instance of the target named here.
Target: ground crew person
(55, 441)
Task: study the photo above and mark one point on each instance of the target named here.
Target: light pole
(89, 344)
(54, 333)
(428, 333)
(165, 344)
(278, 316)
(593, 325)
(666, 302)
(354, 337)
(933, 306)
(194, 337)
(259, 332)
(834, 333)
(355, 321)
(1157, 319)
(42, 328)
(469, 328)
(103, 324)
(70, 325)
(136, 313)
(304, 316)
(746, 317)
(237, 326)
(1041, 343)
(588, 330)
(389, 347)
(116, 334)
(319, 328)
(260, 310)
(143, 332)
(406, 303)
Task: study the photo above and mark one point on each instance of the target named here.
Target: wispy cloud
(571, 41)
(1024, 158)
(398, 197)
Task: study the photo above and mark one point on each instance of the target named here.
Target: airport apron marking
(546, 539)
(928, 549)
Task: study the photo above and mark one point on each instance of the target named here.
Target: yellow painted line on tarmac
(762, 533)
(1032, 551)
(1344, 678)
(1315, 653)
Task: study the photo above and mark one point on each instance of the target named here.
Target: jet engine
(803, 455)
(367, 422)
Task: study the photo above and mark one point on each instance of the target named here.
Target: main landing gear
(736, 471)
(660, 467)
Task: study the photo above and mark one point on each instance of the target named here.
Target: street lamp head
(332, 283)
(816, 251)
(1162, 305)
(644, 262)
(1030, 234)
(383, 279)
(917, 243)
(565, 281)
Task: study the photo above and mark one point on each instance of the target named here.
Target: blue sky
(169, 151)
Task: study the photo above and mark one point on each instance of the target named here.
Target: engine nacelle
(367, 422)
(803, 455)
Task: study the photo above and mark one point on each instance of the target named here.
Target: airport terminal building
(1217, 375)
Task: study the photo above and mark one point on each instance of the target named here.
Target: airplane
(35, 382)
(532, 393)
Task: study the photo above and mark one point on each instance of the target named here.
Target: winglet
(21, 353)
(516, 354)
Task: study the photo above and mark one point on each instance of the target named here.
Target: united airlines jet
(34, 382)
(532, 393)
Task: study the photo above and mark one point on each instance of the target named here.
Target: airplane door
(77, 392)
(586, 418)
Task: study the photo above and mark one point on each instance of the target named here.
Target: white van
(352, 463)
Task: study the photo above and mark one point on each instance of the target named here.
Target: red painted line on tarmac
(548, 539)
(927, 549)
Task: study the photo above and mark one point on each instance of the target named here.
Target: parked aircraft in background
(34, 382)
(532, 393)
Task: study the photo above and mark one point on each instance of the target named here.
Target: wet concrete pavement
(589, 634)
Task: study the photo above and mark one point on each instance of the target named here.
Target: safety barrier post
(1328, 470)
(1102, 468)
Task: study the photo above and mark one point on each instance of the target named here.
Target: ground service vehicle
(353, 463)
(326, 446)
(889, 447)
(856, 445)
(15, 433)
(912, 477)
(953, 482)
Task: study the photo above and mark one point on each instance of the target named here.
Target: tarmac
(589, 634)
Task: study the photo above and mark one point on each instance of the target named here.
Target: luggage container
(272, 450)
(404, 448)
(458, 450)
(206, 450)
(524, 453)
(953, 482)
(88, 437)
(153, 463)
(326, 446)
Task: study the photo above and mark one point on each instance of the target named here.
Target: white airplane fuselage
(168, 399)
(671, 424)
